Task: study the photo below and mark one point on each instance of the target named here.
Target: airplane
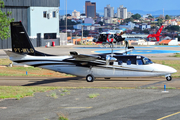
(108, 65)
(157, 35)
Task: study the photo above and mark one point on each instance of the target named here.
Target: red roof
(165, 42)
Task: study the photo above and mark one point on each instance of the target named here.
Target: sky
(145, 5)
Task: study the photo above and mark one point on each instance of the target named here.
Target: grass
(62, 116)
(54, 95)
(19, 92)
(176, 55)
(65, 90)
(93, 95)
(5, 61)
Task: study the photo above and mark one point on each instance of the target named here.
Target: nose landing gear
(168, 78)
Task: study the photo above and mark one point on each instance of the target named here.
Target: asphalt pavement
(117, 104)
(110, 104)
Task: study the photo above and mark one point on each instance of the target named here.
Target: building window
(45, 14)
(50, 36)
(54, 14)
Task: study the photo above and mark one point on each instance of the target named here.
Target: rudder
(20, 40)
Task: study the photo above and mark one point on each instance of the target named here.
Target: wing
(86, 60)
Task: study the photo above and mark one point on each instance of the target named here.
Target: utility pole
(66, 20)
(82, 34)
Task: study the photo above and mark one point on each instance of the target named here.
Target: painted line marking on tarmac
(77, 107)
(169, 116)
(3, 107)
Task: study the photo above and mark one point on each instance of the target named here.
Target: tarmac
(137, 103)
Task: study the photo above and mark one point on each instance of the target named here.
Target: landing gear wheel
(168, 78)
(107, 78)
(89, 78)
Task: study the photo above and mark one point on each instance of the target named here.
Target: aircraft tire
(107, 78)
(168, 78)
(89, 78)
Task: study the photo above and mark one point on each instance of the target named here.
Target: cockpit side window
(147, 61)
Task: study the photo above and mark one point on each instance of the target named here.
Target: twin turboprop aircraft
(109, 65)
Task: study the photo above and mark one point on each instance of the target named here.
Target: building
(89, 20)
(76, 14)
(90, 9)
(128, 26)
(144, 26)
(122, 12)
(109, 11)
(39, 17)
(129, 14)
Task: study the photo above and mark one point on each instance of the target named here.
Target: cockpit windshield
(147, 61)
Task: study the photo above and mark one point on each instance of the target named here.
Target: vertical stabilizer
(20, 40)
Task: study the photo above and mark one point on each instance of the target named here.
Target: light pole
(66, 19)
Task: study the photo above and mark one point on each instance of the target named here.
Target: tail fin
(20, 41)
(159, 31)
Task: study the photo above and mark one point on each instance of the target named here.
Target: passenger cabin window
(45, 14)
(49, 35)
(128, 62)
(139, 62)
(120, 62)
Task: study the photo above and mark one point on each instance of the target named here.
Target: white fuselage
(56, 63)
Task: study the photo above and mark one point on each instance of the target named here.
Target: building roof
(165, 42)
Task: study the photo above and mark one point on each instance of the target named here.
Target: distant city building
(89, 20)
(128, 26)
(122, 12)
(109, 11)
(144, 26)
(75, 13)
(90, 9)
(129, 14)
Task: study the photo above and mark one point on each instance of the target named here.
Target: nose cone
(164, 68)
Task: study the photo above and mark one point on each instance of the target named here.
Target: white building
(75, 13)
(129, 26)
(122, 12)
(129, 14)
(109, 11)
(144, 26)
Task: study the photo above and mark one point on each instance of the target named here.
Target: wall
(39, 24)
(21, 12)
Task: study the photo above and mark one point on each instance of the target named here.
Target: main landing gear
(90, 78)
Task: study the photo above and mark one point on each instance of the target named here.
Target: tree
(172, 28)
(167, 17)
(128, 20)
(160, 21)
(4, 22)
(136, 16)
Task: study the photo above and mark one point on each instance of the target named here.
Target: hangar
(40, 18)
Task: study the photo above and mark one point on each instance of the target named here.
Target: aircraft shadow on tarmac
(54, 80)
(73, 79)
